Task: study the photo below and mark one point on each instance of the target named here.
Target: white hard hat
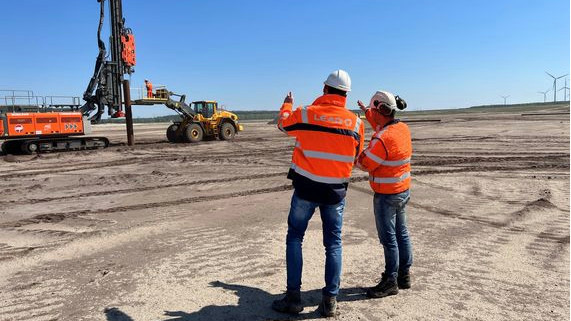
(383, 98)
(339, 79)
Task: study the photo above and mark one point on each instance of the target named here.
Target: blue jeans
(390, 218)
(300, 213)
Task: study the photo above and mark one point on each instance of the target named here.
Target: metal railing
(141, 92)
(19, 92)
(23, 96)
(23, 101)
(61, 101)
(16, 100)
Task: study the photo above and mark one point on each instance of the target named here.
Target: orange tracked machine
(41, 132)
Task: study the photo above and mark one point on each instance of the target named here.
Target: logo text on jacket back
(335, 120)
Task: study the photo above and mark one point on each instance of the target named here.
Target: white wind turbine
(555, 85)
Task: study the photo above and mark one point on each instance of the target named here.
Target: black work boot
(387, 286)
(328, 306)
(291, 303)
(403, 280)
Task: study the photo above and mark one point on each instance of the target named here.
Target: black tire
(193, 133)
(227, 131)
(30, 148)
(171, 134)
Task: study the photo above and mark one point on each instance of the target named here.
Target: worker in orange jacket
(329, 137)
(387, 159)
(149, 86)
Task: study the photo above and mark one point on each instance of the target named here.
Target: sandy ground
(197, 232)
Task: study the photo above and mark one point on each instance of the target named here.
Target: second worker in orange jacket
(387, 160)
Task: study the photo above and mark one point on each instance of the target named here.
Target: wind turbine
(544, 94)
(555, 85)
(504, 97)
(565, 90)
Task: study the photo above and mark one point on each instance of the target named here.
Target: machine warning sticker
(19, 128)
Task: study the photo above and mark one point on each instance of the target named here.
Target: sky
(248, 54)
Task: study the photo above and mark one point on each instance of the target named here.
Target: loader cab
(206, 108)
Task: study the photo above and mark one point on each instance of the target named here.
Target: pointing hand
(361, 105)
(289, 98)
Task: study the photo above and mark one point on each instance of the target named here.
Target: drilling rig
(105, 87)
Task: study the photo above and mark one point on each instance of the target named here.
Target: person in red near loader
(328, 139)
(149, 86)
(387, 160)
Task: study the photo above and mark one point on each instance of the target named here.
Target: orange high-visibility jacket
(149, 89)
(387, 159)
(329, 137)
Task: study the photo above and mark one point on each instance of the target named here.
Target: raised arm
(369, 115)
(361, 138)
(287, 116)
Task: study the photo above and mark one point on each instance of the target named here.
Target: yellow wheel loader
(200, 121)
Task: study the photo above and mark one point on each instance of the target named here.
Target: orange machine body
(128, 54)
(17, 125)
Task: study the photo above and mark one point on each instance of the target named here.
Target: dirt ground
(197, 232)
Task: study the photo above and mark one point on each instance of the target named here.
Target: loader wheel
(171, 134)
(194, 133)
(227, 131)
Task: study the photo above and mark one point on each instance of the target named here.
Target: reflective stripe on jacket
(328, 139)
(387, 159)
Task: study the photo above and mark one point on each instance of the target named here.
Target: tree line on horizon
(273, 114)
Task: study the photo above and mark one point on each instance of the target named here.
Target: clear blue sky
(248, 54)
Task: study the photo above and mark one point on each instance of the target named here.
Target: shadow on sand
(255, 304)
(114, 314)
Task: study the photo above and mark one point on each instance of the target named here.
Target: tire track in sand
(143, 188)
(54, 169)
(33, 300)
(481, 247)
(52, 238)
(58, 217)
(43, 294)
(231, 257)
(490, 251)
